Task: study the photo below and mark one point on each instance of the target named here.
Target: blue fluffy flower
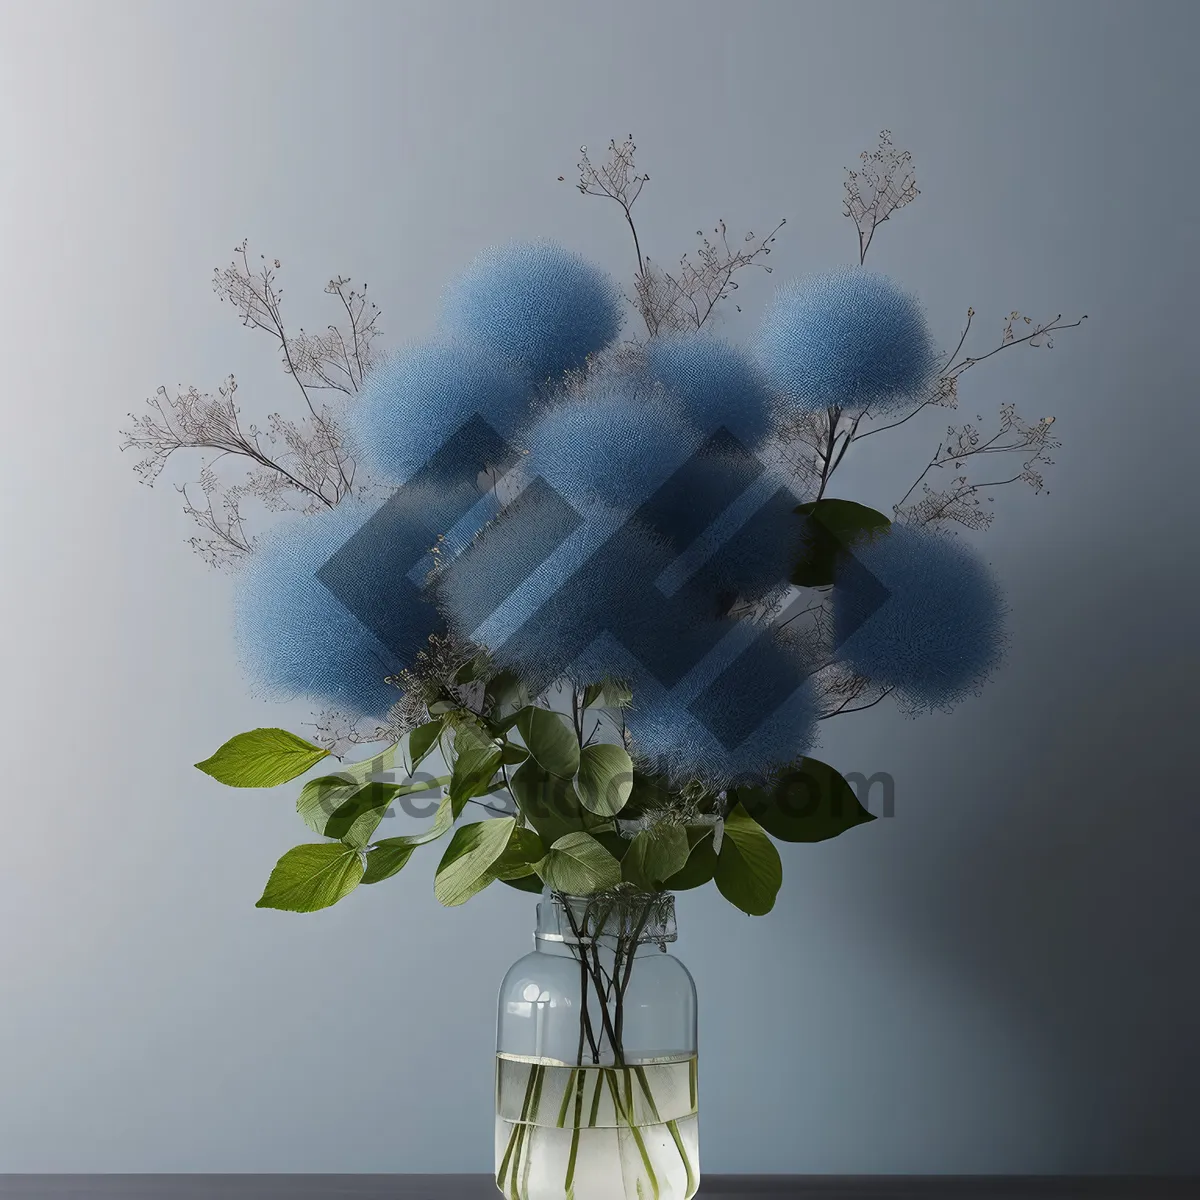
(614, 445)
(296, 638)
(414, 401)
(919, 612)
(719, 385)
(850, 339)
(540, 307)
(746, 709)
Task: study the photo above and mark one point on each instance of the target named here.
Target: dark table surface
(481, 1187)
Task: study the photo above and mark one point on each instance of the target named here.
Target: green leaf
(611, 840)
(578, 865)
(377, 764)
(473, 849)
(386, 858)
(262, 758)
(550, 741)
(832, 526)
(310, 877)
(749, 873)
(423, 739)
(807, 802)
(356, 818)
(650, 793)
(701, 865)
(611, 693)
(654, 855)
(320, 798)
(524, 849)
(605, 779)
(526, 883)
(512, 755)
(476, 761)
(505, 696)
(549, 803)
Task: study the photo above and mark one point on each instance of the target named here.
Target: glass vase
(596, 1081)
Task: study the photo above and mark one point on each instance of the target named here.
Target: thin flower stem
(562, 1112)
(569, 1182)
(635, 1133)
(514, 1139)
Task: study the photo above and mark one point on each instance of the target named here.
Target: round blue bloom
(850, 339)
(413, 402)
(719, 385)
(614, 445)
(731, 721)
(918, 611)
(296, 638)
(542, 308)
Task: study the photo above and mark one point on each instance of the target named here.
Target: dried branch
(338, 359)
(883, 184)
(684, 300)
(193, 420)
(862, 687)
(960, 502)
(289, 463)
(224, 540)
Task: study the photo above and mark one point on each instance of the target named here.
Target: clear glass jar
(596, 1080)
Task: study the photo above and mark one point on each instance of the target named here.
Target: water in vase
(596, 1132)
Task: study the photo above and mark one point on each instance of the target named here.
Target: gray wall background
(1002, 977)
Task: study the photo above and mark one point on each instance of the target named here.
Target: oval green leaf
(262, 758)
(605, 779)
(320, 798)
(654, 855)
(549, 740)
(649, 794)
(476, 760)
(422, 740)
(526, 883)
(389, 855)
(311, 877)
(356, 818)
(701, 865)
(749, 872)
(386, 858)
(504, 697)
(549, 803)
(831, 526)
(473, 849)
(807, 802)
(524, 849)
(579, 866)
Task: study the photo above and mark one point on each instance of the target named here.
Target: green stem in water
(611, 1076)
(569, 1182)
(672, 1125)
(527, 1141)
(595, 1112)
(514, 1138)
(562, 1112)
